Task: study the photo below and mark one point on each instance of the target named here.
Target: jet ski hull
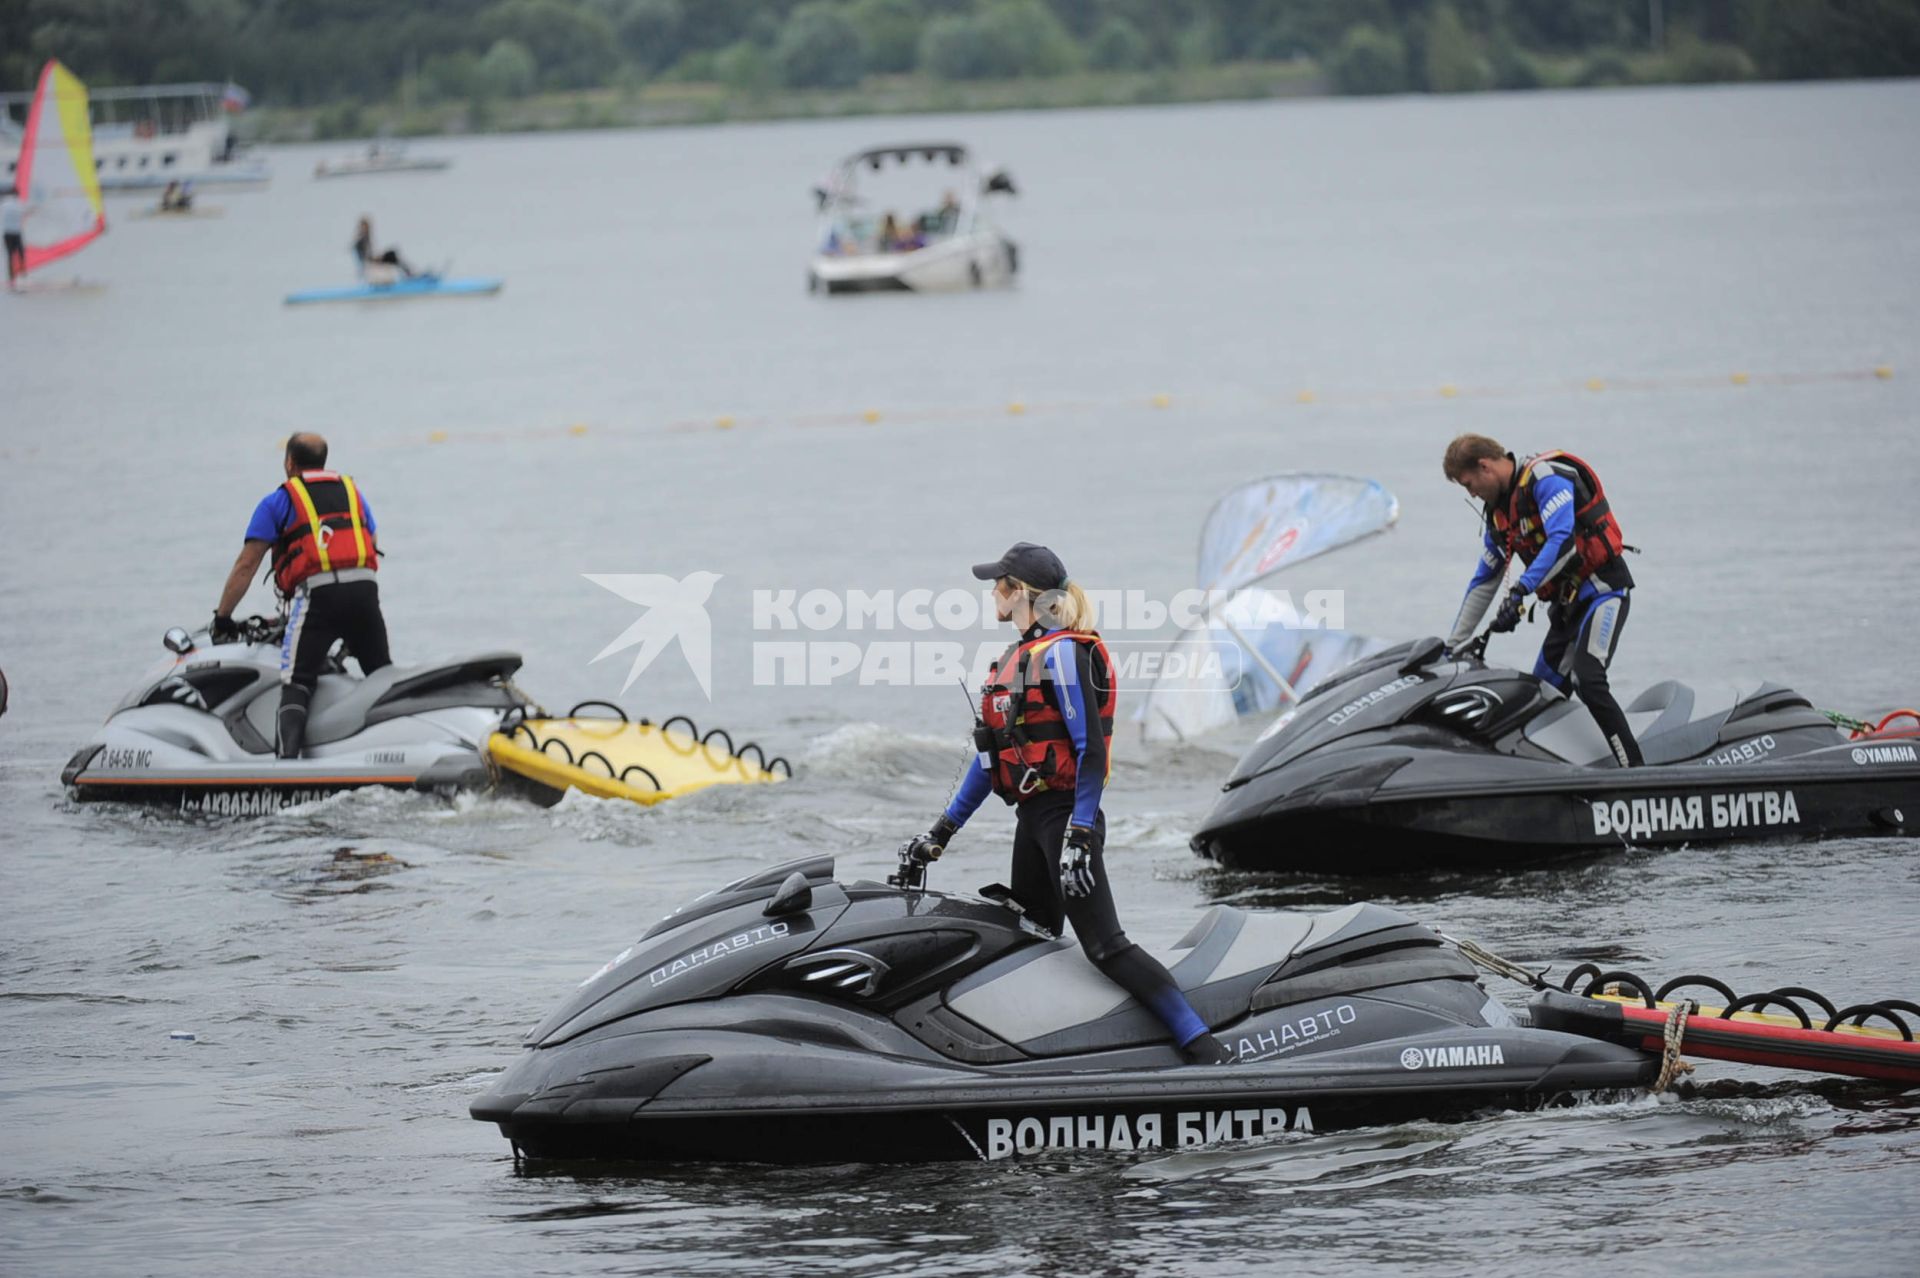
(1351, 828)
(747, 1109)
(789, 1018)
(1410, 760)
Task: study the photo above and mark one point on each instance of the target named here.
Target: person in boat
(1045, 728)
(177, 198)
(893, 236)
(947, 216)
(13, 224)
(364, 256)
(320, 531)
(1550, 510)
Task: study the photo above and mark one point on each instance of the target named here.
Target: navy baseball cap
(1024, 561)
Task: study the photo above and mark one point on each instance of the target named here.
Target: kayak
(418, 286)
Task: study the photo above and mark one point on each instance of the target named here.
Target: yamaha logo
(1411, 1058)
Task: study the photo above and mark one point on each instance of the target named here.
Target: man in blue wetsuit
(1043, 741)
(1551, 511)
(321, 533)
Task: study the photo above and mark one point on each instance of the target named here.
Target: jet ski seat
(344, 705)
(1048, 998)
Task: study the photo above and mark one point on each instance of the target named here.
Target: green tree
(1453, 64)
(819, 48)
(574, 47)
(1028, 37)
(1369, 60)
(650, 30)
(890, 30)
(509, 70)
(958, 48)
(1118, 46)
(1805, 39)
(745, 67)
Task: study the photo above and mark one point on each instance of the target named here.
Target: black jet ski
(791, 1018)
(197, 730)
(1412, 760)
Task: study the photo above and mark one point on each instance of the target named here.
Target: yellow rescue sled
(622, 758)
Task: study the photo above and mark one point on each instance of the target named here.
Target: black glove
(1076, 861)
(922, 848)
(1509, 615)
(223, 629)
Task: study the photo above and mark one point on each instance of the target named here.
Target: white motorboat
(148, 136)
(933, 230)
(381, 157)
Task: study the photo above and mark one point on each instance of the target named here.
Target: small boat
(147, 136)
(399, 290)
(190, 213)
(954, 244)
(1413, 760)
(791, 1017)
(197, 733)
(381, 158)
(58, 184)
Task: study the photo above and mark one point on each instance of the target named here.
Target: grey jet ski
(791, 1018)
(197, 731)
(1413, 760)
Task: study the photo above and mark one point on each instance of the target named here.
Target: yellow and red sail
(55, 177)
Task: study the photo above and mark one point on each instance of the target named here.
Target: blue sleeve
(1553, 494)
(1492, 561)
(366, 512)
(973, 791)
(272, 515)
(1090, 765)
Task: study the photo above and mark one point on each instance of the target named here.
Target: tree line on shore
(333, 51)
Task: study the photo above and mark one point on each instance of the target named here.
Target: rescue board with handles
(636, 760)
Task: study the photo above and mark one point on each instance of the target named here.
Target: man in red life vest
(321, 534)
(1551, 512)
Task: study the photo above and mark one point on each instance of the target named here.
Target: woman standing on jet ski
(1045, 727)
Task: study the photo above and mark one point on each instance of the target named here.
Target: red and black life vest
(328, 531)
(1596, 533)
(1020, 720)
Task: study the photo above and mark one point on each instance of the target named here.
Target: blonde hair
(1065, 606)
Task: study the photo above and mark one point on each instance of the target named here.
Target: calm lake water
(1691, 288)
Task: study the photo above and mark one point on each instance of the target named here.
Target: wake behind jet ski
(198, 728)
(1412, 760)
(788, 1017)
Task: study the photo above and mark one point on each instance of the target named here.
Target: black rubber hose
(643, 771)
(758, 753)
(575, 712)
(692, 727)
(1812, 996)
(556, 741)
(780, 762)
(1681, 982)
(1622, 978)
(1764, 1000)
(521, 727)
(1861, 1011)
(581, 762)
(723, 734)
(1578, 974)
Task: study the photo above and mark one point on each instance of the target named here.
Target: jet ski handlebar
(912, 874)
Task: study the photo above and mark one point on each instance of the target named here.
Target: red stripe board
(1785, 1046)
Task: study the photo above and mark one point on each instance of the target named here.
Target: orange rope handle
(1880, 728)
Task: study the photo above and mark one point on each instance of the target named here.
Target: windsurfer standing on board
(13, 225)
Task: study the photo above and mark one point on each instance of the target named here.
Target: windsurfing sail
(57, 183)
(1253, 652)
(1259, 528)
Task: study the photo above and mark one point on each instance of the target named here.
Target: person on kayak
(321, 532)
(364, 256)
(1551, 512)
(1043, 738)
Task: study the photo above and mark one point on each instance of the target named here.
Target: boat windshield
(897, 200)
